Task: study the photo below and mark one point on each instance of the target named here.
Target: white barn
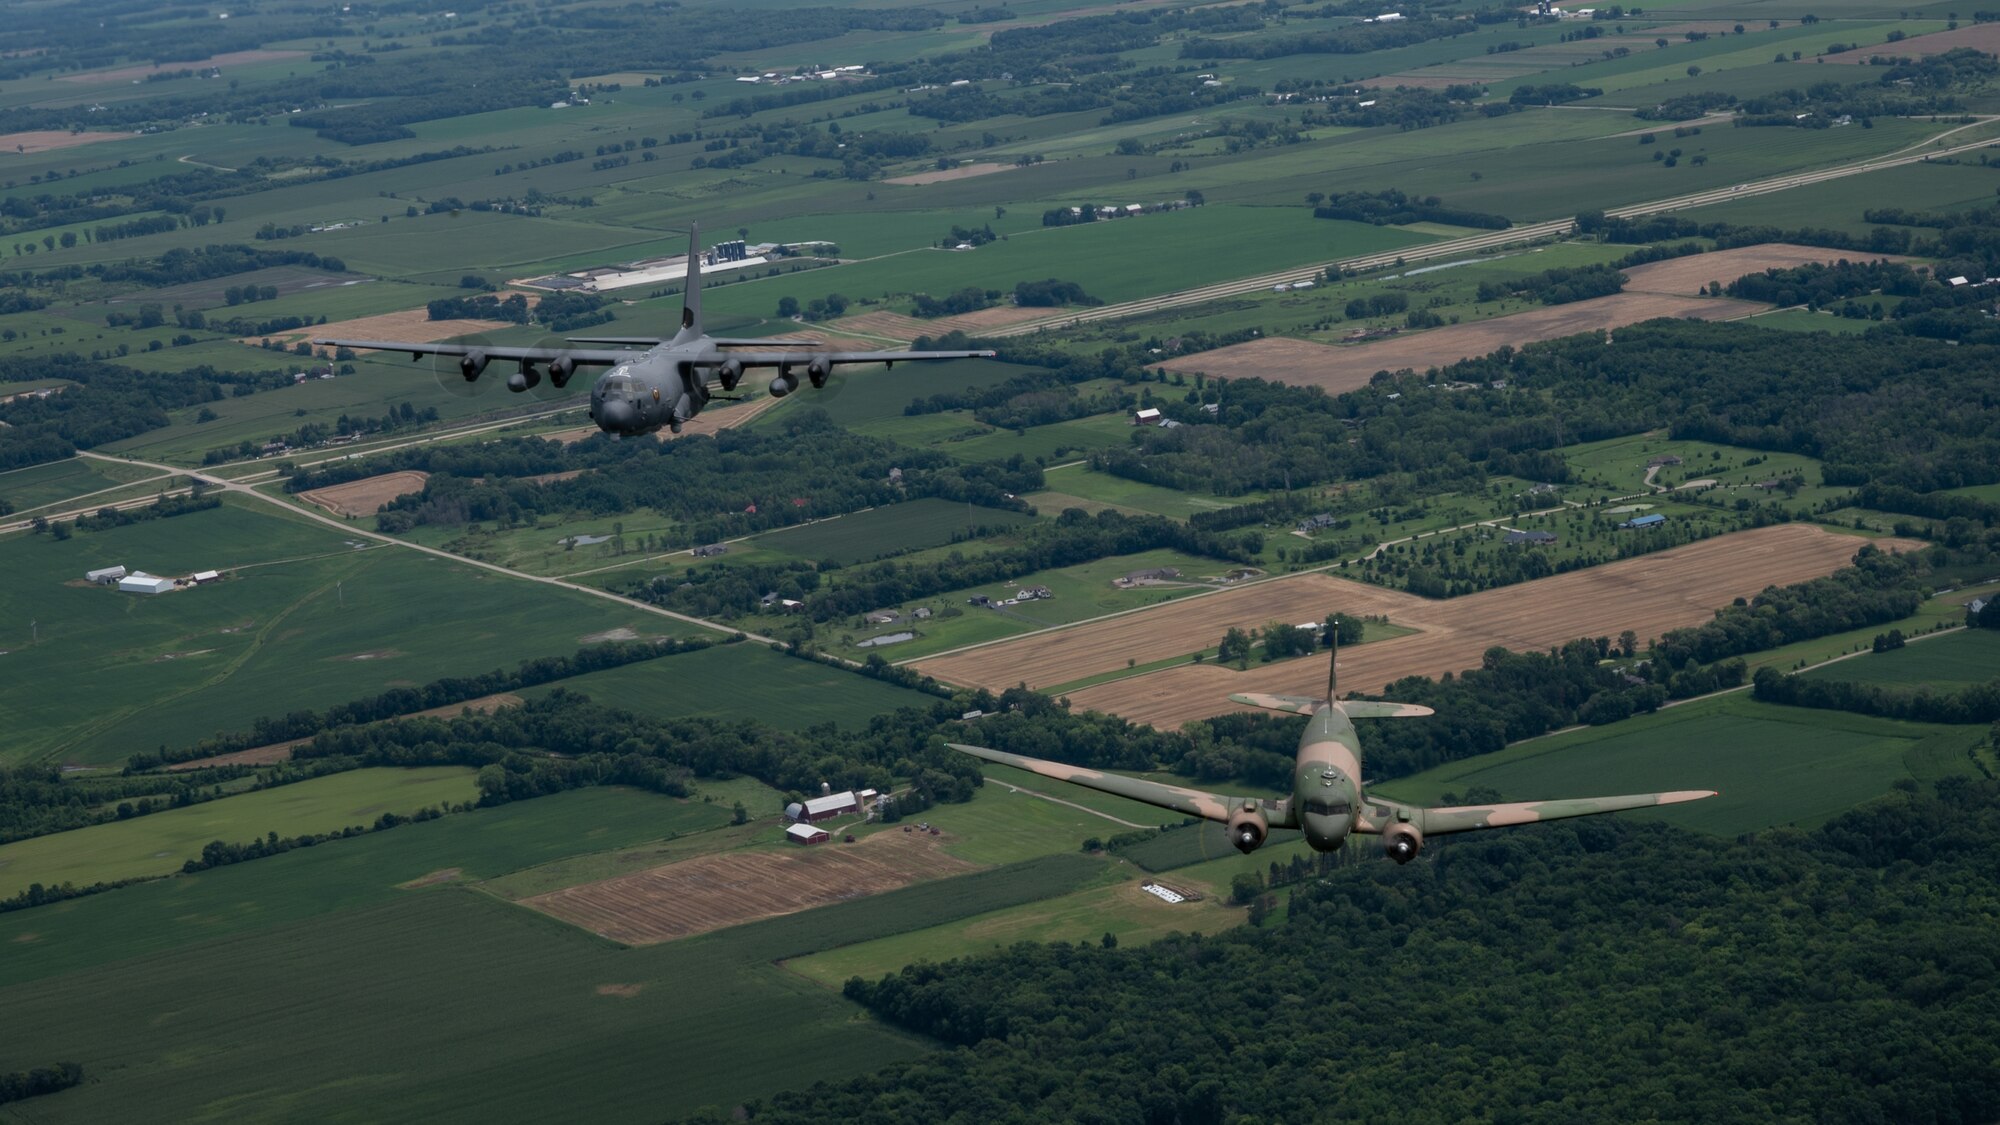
(139, 582)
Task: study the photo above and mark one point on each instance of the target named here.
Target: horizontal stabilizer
(1296, 704)
(764, 342)
(629, 341)
(1369, 709)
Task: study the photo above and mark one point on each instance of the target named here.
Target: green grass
(1773, 765)
(1800, 320)
(159, 843)
(1838, 204)
(1132, 495)
(1057, 442)
(1000, 825)
(304, 619)
(1944, 663)
(731, 682)
(57, 481)
(891, 530)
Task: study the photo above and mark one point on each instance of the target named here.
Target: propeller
(547, 381)
(458, 376)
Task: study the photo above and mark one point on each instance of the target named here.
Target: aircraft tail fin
(691, 289)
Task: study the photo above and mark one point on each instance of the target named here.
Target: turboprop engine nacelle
(1247, 828)
(471, 364)
(784, 384)
(1403, 842)
(561, 368)
(524, 379)
(728, 372)
(817, 371)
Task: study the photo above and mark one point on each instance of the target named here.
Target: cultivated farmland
(707, 893)
(366, 496)
(891, 530)
(1649, 594)
(1946, 663)
(1686, 276)
(1338, 368)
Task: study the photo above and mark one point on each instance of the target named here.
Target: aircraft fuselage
(1326, 781)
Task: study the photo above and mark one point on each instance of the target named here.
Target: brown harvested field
(962, 172)
(1338, 368)
(893, 326)
(47, 140)
(1980, 37)
(366, 496)
(282, 751)
(1649, 595)
(1686, 276)
(711, 892)
(414, 325)
(231, 58)
(1272, 357)
(998, 316)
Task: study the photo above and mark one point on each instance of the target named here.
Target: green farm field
(1772, 765)
(157, 844)
(304, 619)
(1943, 663)
(57, 481)
(1137, 496)
(731, 682)
(892, 530)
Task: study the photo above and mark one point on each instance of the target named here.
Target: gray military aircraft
(654, 382)
(1327, 801)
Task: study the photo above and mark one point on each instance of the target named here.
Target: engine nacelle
(524, 379)
(817, 371)
(1248, 828)
(784, 384)
(561, 368)
(729, 372)
(471, 364)
(1402, 842)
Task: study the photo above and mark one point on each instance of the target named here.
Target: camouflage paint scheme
(1327, 802)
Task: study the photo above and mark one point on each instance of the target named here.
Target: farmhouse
(1151, 574)
(1663, 460)
(1147, 417)
(806, 834)
(1531, 538)
(921, 612)
(104, 577)
(1653, 520)
(711, 550)
(1314, 523)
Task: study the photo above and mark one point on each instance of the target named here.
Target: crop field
(296, 597)
(1344, 367)
(1648, 594)
(1138, 496)
(1935, 186)
(1055, 442)
(1978, 37)
(1686, 276)
(730, 682)
(157, 844)
(1772, 765)
(1949, 662)
(893, 530)
(713, 892)
(57, 481)
(368, 495)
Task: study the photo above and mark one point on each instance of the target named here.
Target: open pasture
(891, 530)
(732, 682)
(1338, 368)
(1058, 441)
(55, 481)
(713, 892)
(158, 844)
(1648, 594)
(1772, 765)
(302, 619)
(1944, 663)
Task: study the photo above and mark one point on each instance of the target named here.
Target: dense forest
(1605, 970)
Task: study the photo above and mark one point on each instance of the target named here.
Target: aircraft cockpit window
(1324, 807)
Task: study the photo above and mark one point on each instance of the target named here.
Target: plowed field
(1687, 275)
(1649, 595)
(710, 892)
(366, 496)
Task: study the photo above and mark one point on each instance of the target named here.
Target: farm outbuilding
(204, 577)
(105, 576)
(1531, 538)
(828, 807)
(806, 834)
(139, 582)
(1653, 520)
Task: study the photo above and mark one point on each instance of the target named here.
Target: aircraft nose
(617, 416)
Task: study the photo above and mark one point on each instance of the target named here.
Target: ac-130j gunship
(655, 382)
(1327, 801)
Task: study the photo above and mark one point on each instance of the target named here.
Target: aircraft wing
(1296, 704)
(1469, 818)
(582, 356)
(1189, 802)
(718, 341)
(774, 359)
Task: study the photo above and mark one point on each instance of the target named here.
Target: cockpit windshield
(1329, 806)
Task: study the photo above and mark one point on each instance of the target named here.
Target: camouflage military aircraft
(654, 382)
(1327, 801)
